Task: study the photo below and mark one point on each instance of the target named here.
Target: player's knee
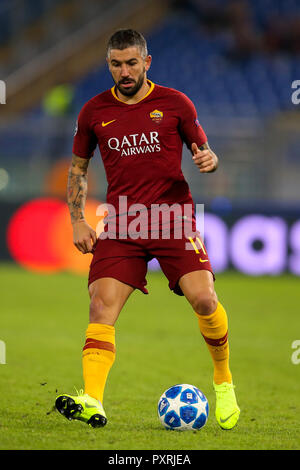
(100, 309)
(205, 303)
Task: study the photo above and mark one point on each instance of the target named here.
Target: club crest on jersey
(156, 115)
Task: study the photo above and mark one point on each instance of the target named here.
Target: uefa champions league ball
(183, 407)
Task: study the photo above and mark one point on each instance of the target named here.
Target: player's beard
(137, 85)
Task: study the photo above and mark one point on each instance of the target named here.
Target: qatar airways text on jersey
(135, 144)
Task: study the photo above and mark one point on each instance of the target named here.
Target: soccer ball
(183, 407)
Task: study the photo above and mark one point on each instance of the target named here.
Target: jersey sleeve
(189, 126)
(85, 140)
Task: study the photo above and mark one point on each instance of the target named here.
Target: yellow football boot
(82, 407)
(227, 410)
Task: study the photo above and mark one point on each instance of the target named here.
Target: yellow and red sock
(214, 329)
(98, 356)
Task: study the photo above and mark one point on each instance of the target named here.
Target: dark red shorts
(126, 260)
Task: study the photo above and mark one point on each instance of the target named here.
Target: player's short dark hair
(124, 38)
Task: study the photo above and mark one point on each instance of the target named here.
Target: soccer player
(140, 128)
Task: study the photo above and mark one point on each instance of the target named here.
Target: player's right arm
(84, 145)
(84, 236)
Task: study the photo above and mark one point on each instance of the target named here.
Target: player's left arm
(204, 158)
(194, 136)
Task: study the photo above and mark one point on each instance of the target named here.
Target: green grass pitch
(43, 321)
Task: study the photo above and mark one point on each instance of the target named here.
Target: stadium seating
(15, 15)
(28, 28)
(188, 58)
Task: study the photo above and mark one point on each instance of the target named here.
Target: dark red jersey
(140, 144)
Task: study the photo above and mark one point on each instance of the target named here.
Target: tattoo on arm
(77, 188)
(204, 146)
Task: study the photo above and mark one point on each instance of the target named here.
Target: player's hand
(206, 160)
(84, 236)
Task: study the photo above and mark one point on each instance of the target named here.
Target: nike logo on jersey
(106, 123)
(203, 260)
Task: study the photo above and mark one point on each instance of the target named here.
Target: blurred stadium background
(239, 63)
